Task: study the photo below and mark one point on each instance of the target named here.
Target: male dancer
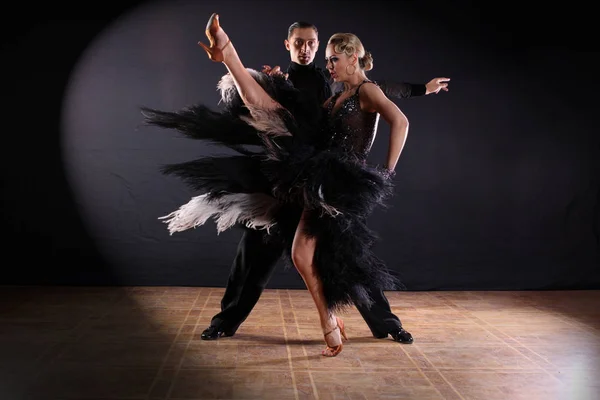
(256, 259)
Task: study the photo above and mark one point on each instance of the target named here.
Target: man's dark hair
(300, 25)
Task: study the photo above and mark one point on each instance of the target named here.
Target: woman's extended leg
(221, 50)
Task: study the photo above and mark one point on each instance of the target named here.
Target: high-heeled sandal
(214, 53)
(335, 350)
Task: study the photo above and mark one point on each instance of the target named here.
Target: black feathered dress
(299, 157)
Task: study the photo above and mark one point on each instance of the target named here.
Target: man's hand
(275, 71)
(437, 84)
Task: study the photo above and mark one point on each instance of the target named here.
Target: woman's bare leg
(221, 49)
(303, 250)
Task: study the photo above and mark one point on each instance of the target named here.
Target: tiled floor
(144, 343)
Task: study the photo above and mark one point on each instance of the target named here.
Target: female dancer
(310, 184)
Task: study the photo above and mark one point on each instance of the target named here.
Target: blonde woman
(309, 185)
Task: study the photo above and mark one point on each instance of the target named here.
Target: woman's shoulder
(369, 86)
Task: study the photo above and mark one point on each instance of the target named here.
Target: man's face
(302, 45)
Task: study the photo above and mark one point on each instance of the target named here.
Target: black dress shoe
(402, 336)
(212, 333)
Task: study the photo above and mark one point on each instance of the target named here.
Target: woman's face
(337, 64)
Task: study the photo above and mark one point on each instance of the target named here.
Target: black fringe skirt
(283, 169)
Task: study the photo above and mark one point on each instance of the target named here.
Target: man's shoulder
(323, 71)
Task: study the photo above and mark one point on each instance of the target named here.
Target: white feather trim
(255, 210)
(227, 86)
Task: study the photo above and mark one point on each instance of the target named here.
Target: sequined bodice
(352, 129)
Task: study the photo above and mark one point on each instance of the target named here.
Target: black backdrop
(498, 186)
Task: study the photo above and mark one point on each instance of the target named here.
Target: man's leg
(251, 270)
(381, 321)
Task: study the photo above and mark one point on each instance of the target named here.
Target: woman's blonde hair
(349, 44)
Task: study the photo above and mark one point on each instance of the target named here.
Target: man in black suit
(256, 258)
